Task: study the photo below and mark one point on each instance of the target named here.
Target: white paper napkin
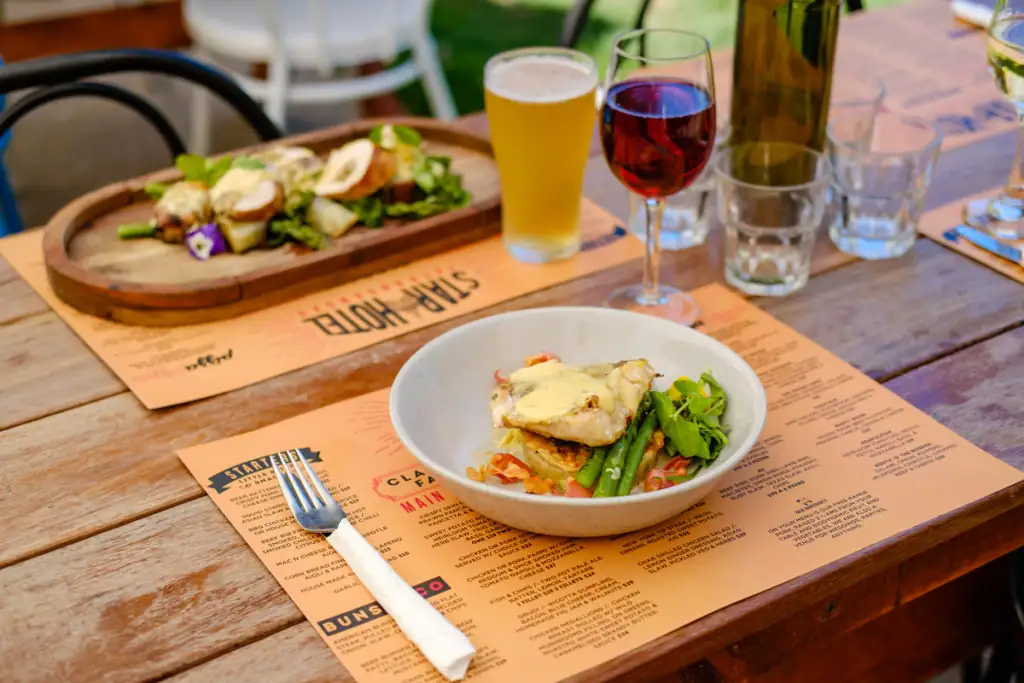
(445, 646)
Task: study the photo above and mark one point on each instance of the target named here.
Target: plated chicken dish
(600, 430)
(289, 194)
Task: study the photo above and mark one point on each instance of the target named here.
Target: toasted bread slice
(247, 195)
(355, 170)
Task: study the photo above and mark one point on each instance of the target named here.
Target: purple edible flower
(204, 241)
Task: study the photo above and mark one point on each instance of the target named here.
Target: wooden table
(115, 566)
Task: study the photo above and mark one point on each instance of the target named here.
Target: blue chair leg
(10, 219)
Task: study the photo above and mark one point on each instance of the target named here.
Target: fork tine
(286, 488)
(325, 495)
(314, 502)
(300, 495)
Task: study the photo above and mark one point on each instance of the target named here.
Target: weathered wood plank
(884, 317)
(273, 660)
(828, 619)
(956, 557)
(976, 393)
(126, 608)
(17, 300)
(7, 273)
(46, 368)
(909, 645)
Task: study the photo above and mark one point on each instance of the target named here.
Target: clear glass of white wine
(1003, 215)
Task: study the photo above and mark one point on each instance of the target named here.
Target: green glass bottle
(782, 72)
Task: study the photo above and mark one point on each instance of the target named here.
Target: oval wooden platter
(151, 283)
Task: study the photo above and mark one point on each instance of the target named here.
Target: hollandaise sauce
(550, 390)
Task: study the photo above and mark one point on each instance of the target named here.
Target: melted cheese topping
(555, 390)
(237, 182)
(185, 200)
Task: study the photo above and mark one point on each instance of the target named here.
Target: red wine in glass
(657, 134)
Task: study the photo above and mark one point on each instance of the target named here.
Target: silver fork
(445, 646)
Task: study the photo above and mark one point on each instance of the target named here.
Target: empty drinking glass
(687, 216)
(880, 186)
(857, 100)
(771, 200)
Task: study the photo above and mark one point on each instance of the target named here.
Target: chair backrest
(386, 17)
(60, 77)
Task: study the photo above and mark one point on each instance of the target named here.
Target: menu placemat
(168, 366)
(842, 463)
(936, 223)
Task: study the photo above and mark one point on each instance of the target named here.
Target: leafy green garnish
(443, 189)
(248, 163)
(156, 190)
(298, 202)
(192, 165)
(215, 170)
(369, 209)
(407, 136)
(403, 134)
(197, 168)
(283, 227)
(692, 471)
(689, 415)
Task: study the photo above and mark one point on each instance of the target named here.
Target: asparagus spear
(608, 484)
(135, 231)
(589, 473)
(636, 453)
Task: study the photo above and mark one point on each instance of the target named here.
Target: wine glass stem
(1015, 184)
(652, 253)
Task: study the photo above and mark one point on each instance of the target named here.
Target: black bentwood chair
(61, 77)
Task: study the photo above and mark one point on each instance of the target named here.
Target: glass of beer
(541, 108)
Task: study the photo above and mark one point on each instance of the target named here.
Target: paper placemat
(842, 463)
(168, 366)
(937, 222)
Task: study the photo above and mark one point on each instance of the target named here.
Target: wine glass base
(670, 303)
(1002, 217)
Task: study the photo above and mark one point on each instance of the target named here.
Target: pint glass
(541, 108)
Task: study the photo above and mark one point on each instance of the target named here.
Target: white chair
(322, 35)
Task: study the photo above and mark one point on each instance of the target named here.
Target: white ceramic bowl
(440, 408)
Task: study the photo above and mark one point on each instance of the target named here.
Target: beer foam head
(538, 78)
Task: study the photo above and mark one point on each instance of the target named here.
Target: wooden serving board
(148, 282)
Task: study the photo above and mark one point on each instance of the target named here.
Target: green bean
(636, 453)
(608, 484)
(589, 473)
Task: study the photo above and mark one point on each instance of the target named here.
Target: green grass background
(469, 32)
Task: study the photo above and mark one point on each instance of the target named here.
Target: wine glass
(1003, 216)
(658, 132)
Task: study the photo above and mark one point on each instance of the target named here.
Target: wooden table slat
(19, 301)
(138, 602)
(46, 369)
